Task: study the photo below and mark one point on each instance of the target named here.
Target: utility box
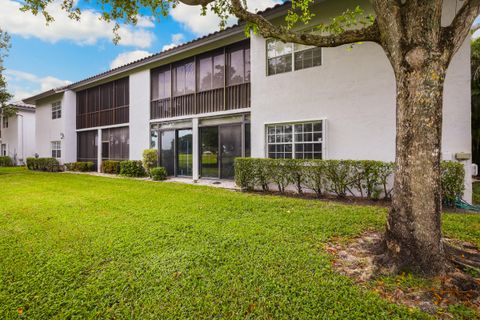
(463, 156)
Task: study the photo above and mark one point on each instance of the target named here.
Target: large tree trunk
(413, 235)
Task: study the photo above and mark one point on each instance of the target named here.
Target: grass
(77, 246)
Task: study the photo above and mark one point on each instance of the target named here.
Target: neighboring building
(17, 133)
(222, 96)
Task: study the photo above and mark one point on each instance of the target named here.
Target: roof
(233, 30)
(20, 105)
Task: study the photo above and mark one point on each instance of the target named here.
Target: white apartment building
(205, 102)
(17, 133)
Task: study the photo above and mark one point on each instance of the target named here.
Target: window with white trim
(56, 110)
(295, 140)
(56, 149)
(5, 122)
(285, 57)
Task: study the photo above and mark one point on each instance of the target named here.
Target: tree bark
(413, 237)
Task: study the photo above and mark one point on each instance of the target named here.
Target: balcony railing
(222, 99)
(103, 117)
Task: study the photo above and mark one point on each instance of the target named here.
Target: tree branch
(455, 34)
(267, 30)
(196, 2)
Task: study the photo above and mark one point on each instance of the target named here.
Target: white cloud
(191, 19)
(177, 39)
(24, 84)
(127, 57)
(88, 30)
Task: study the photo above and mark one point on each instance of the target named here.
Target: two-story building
(17, 133)
(224, 95)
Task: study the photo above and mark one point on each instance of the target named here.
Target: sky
(44, 57)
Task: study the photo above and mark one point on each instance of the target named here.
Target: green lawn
(77, 246)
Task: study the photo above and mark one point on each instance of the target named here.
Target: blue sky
(43, 57)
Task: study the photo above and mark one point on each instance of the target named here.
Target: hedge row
(366, 178)
(6, 161)
(80, 166)
(44, 164)
(111, 166)
(132, 168)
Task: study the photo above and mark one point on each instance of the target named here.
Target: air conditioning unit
(474, 170)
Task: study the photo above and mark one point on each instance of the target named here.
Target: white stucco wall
(20, 136)
(69, 119)
(139, 113)
(48, 129)
(354, 90)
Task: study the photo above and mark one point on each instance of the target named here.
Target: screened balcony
(212, 82)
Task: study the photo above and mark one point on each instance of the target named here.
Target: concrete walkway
(216, 183)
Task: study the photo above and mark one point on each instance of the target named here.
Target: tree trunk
(413, 235)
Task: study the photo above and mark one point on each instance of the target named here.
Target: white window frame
(293, 123)
(56, 110)
(292, 53)
(56, 146)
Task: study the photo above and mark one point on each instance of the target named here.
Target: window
(210, 73)
(184, 79)
(56, 110)
(238, 69)
(5, 122)
(285, 57)
(279, 57)
(56, 149)
(161, 84)
(307, 56)
(295, 140)
(3, 150)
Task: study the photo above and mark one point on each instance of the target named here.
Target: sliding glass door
(184, 152)
(167, 151)
(220, 145)
(230, 148)
(209, 152)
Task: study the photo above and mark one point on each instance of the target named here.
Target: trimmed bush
(364, 178)
(44, 164)
(315, 176)
(132, 168)
(150, 159)
(158, 173)
(245, 173)
(111, 166)
(80, 166)
(6, 161)
(453, 174)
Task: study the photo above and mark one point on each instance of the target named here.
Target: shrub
(280, 173)
(150, 159)
(262, 173)
(315, 176)
(371, 177)
(132, 168)
(453, 174)
(341, 177)
(111, 166)
(158, 173)
(295, 169)
(245, 173)
(80, 166)
(6, 161)
(43, 164)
